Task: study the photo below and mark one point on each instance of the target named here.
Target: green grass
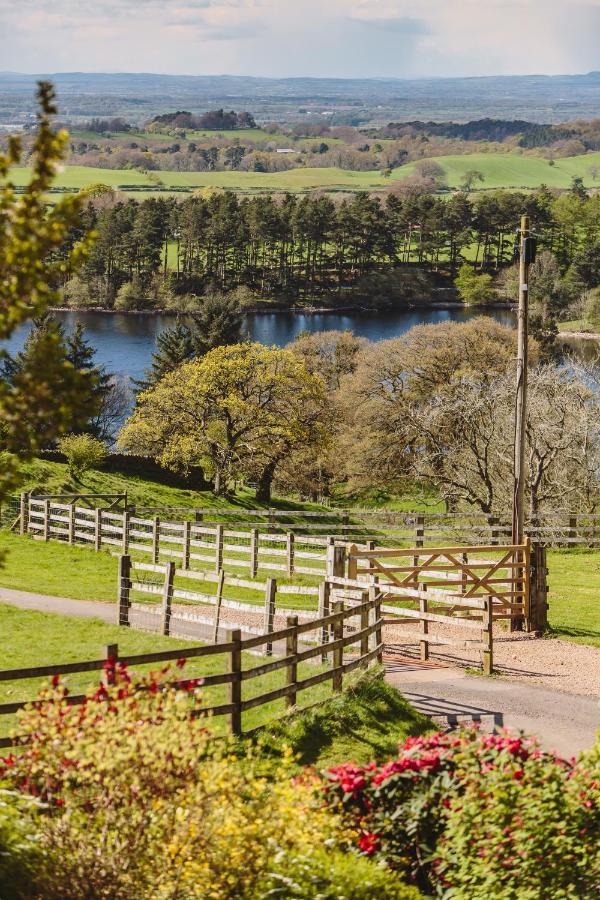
(578, 325)
(366, 722)
(500, 170)
(510, 170)
(574, 598)
(38, 638)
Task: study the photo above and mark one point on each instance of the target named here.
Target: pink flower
(368, 842)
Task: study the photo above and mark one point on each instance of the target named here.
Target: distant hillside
(535, 98)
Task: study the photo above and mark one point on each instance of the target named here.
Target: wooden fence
(158, 581)
(189, 542)
(313, 527)
(331, 645)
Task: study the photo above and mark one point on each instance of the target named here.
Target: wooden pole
(220, 583)
(123, 589)
(253, 553)
(156, 540)
(518, 512)
(423, 643)
(46, 520)
(338, 652)
(235, 688)
(488, 625)
(521, 395)
(324, 595)
(218, 548)
(24, 514)
(291, 650)
(187, 537)
(167, 597)
(270, 592)
(289, 547)
(98, 529)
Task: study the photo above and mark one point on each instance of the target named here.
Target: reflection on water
(124, 343)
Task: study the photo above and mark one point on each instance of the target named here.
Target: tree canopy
(239, 410)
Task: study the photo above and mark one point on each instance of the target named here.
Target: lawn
(578, 325)
(574, 598)
(366, 722)
(500, 170)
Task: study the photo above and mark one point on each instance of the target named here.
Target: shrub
(141, 803)
(19, 850)
(470, 815)
(83, 452)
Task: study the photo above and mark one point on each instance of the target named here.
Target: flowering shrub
(139, 802)
(470, 815)
(19, 850)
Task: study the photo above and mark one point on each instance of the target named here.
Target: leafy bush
(332, 875)
(83, 452)
(142, 803)
(19, 850)
(468, 815)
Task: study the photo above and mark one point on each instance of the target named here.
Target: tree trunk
(265, 482)
(218, 486)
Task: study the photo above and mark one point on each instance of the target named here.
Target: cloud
(302, 37)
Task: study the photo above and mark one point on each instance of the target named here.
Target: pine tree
(81, 355)
(173, 347)
(217, 323)
(71, 384)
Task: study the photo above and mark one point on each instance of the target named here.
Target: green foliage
(19, 848)
(83, 452)
(142, 803)
(30, 236)
(468, 815)
(328, 874)
(592, 309)
(474, 289)
(239, 409)
(217, 323)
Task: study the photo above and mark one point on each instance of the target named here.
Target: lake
(124, 343)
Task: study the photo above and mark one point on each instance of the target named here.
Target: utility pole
(518, 512)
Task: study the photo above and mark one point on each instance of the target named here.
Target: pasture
(500, 170)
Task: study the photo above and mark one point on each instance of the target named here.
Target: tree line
(362, 249)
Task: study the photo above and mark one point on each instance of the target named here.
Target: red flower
(55, 680)
(181, 662)
(368, 842)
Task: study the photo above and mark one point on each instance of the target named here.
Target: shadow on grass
(366, 722)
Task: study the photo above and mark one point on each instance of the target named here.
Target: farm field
(500, 170)
(243, 134)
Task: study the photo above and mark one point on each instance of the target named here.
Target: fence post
(156, 540)
(538, 590)
(187, 536)
(46, 520)
(123, 589)
(494, 533)
(375, 595)
(270, 593)
(111, 654)
(572, 532)
(420, 531)
(235, 687)
(218, 548)
(364, 624)
(323, 612)
(336, 560)
(24, 513)
(220, 583)
(291, 649)
(126, 531)
(167, 597)
(345, 522)
(423, 644)
(271, 521)
(338, 651)
(488, 624)
(253, 553)
(289, 549)
(72, 524)
(98, 529)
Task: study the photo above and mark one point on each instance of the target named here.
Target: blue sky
(345, 38)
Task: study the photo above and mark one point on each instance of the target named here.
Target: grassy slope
(367, 722)
(574, 581)
(512, 170)
(499, 170)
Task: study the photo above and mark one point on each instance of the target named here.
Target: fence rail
(331, 647)
(386, 527)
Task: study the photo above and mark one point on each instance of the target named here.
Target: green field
(499, 170)
(504, 170)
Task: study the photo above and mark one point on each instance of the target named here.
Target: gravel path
(561, 665)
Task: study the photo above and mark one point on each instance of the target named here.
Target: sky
(337, 38)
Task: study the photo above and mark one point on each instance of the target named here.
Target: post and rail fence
(387, 527)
